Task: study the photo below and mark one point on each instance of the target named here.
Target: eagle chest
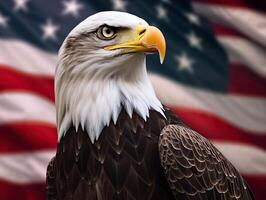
(122, 164)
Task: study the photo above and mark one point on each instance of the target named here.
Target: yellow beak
(144, 39)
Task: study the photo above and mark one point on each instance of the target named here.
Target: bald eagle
(116, 139)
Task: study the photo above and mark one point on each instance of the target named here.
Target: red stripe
(10, 191)
(215, 128)
(246, 4)
(245, 82)
(225, 31)
(237, 3)
(27, 136)
(257, 185)
(19, 81)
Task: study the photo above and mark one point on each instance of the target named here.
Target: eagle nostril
(142, 32)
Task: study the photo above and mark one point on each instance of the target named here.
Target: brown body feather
(125, 164)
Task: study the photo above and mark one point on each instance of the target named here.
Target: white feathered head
(101, 68)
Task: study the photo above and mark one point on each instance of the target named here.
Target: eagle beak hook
(153, 40)
(147, 39)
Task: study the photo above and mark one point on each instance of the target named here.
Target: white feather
(93, 92)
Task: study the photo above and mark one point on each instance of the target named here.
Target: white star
(193, 18)
(49, 30)
(194, 40)
(161, 11)
(72, 7)
(3, 20)
(184, 62)
(21, 5)
(119, 5)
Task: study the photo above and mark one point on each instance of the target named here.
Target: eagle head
(102, 69)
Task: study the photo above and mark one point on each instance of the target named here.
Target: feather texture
(123, 164)
(195, 169)
(141, 160)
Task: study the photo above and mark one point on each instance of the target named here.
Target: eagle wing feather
(195, 169)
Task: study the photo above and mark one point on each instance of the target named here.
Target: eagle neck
(93, 103)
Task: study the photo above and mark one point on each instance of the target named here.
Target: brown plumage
(137, 160)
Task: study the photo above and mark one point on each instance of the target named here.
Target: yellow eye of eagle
(106, 32)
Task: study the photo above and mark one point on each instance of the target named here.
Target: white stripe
(247, 159)
(245, 52)
(25, 107)
(244, 112)
(26, 58)
(25, 167)
(246, 21)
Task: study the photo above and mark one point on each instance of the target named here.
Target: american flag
(214, 78)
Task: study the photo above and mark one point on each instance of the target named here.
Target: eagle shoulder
(195, 169)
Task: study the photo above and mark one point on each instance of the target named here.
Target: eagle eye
(106, 32)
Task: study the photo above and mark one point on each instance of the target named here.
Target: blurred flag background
(214, 78)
